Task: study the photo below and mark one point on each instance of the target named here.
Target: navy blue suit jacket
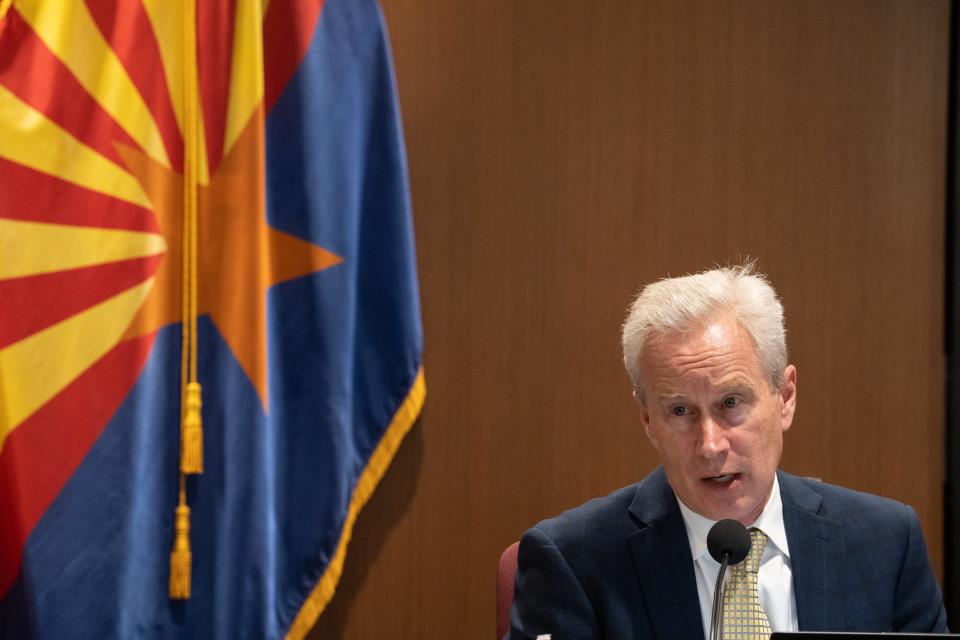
(620, 567)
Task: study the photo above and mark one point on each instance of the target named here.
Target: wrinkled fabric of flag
(308, 329)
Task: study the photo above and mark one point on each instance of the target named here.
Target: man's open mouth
(722, 479)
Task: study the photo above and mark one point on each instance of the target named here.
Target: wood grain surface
(561, 154)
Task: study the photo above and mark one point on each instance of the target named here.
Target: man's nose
(713, 438)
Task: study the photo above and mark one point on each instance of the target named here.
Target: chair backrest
(506, 570)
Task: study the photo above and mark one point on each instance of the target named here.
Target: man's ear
(788, 396)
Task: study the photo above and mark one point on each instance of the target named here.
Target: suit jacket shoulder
(859, 561)
(615, 567)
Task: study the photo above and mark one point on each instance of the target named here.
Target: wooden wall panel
(562, 153)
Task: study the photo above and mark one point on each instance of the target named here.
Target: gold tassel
(191, 452)
(180, 558)
(191, 429)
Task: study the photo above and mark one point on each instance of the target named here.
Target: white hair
(678, 304)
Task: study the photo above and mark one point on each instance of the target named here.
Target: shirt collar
(770, 522)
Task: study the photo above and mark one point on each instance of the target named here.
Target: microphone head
(730, 537)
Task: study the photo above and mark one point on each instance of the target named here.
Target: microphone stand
(717, 618)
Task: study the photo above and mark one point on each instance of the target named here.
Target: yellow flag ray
(30, 248)
(166, 19)
(36, 368)
(69, 31)
(246, 72)
(33, 140)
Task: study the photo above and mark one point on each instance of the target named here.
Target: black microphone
(728, 543)
(731, 538)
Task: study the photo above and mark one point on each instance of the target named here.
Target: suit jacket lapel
(816, 557)
(661, 555)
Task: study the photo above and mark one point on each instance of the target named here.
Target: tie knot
(758, 542)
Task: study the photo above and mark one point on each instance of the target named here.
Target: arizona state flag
(202, 203)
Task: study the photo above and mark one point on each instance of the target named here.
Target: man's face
(711, 414)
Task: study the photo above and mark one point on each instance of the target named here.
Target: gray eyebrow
(737, 385)
(666, 397)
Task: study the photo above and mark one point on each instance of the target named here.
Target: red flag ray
(57, 296)
(288, 28)
(214, 58)
(27, 194)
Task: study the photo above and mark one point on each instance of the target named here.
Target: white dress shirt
(775, 577)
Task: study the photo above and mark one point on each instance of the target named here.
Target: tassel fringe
(180, 557)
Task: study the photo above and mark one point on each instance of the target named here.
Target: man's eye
(731, 402)
(678, 410)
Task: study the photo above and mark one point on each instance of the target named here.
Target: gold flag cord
(191, 433)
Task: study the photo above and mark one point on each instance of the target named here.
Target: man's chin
(726, 501)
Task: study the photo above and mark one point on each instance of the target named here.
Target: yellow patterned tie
(743, 617)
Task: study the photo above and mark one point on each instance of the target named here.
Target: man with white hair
(708, 360)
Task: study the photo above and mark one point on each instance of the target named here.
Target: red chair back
(506, 571)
